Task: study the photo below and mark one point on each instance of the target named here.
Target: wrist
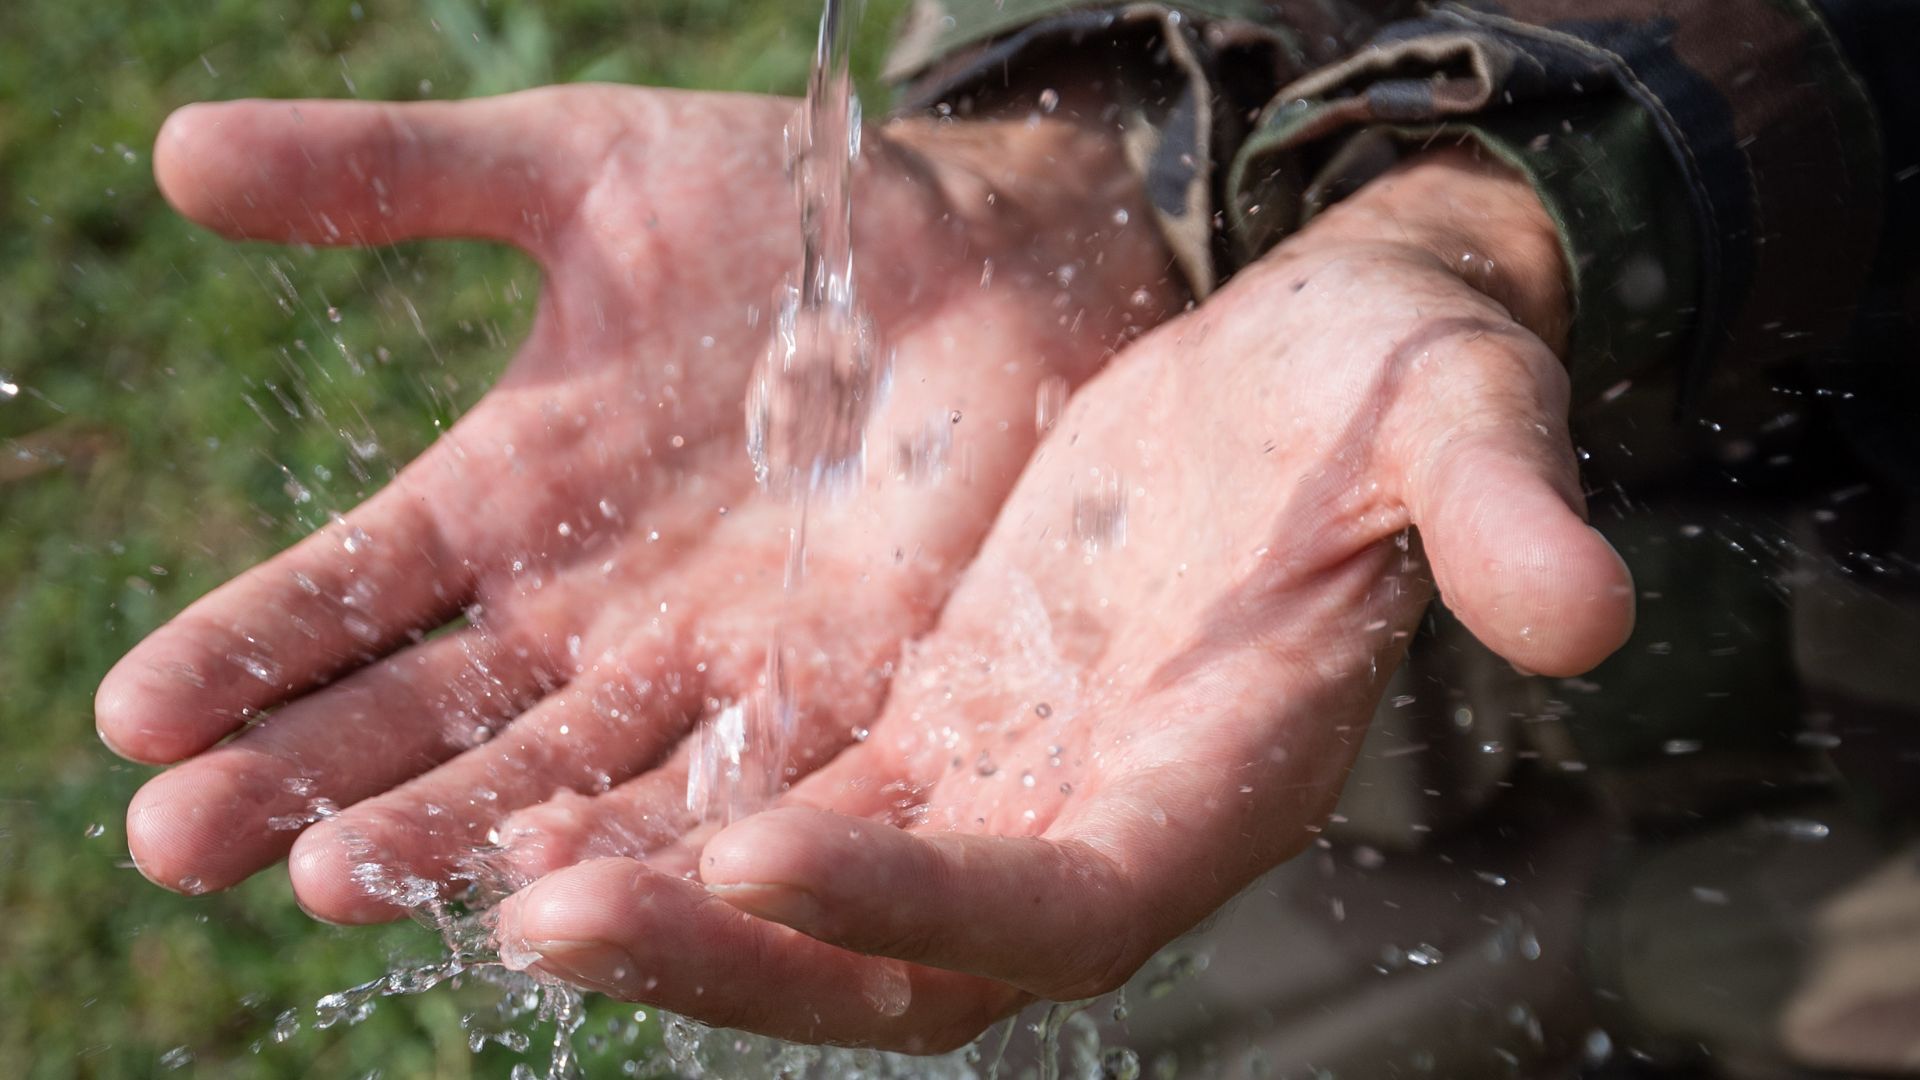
(1482, 220)
(1056, 197)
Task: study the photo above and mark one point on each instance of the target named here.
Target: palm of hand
(593, 515)
(1106, 738)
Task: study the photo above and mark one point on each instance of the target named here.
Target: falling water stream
(808, 406)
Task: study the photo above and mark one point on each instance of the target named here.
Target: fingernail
(593, 964)
(780, 903)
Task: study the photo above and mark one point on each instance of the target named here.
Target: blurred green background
(173, 408)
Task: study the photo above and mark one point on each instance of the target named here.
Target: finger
(1514, 559)
(1017, 909)
(1186, 818)
(633, 820)
(617, 927)
(604, 726)
(346, 172)
(343, 596)
(209, 823)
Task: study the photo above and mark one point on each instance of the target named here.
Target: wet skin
(1101, 743)
(594, 517)
(1103, 737)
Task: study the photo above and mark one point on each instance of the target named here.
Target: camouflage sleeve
(1700, 156)
(1185, 79)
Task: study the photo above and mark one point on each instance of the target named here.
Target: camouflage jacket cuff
(1185, 79)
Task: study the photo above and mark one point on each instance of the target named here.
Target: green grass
(174, 392)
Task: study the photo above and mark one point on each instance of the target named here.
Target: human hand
(1151, 683)
(594, 516)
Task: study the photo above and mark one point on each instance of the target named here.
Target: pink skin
(1102, 742)
(594, 515)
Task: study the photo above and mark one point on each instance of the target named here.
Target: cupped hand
(589, 534)
(1152, 682)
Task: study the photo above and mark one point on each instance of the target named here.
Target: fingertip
(335, 881)
(1558, 606)
(117, 720)
(192, 150)
(1598, 602)
(139, 706)
(169, 831)
(591, 903)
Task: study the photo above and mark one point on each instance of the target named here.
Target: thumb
(1503, 522)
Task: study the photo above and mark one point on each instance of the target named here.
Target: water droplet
(1598, 1048)
(8, 388)
(1100, 511)
(96, 831)
(1119, 1063)
(1049, 401)
(1803, 829)
(259, 667)
(1121, 217)
(333, 314)
(1049, 100)
(1424, 955)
